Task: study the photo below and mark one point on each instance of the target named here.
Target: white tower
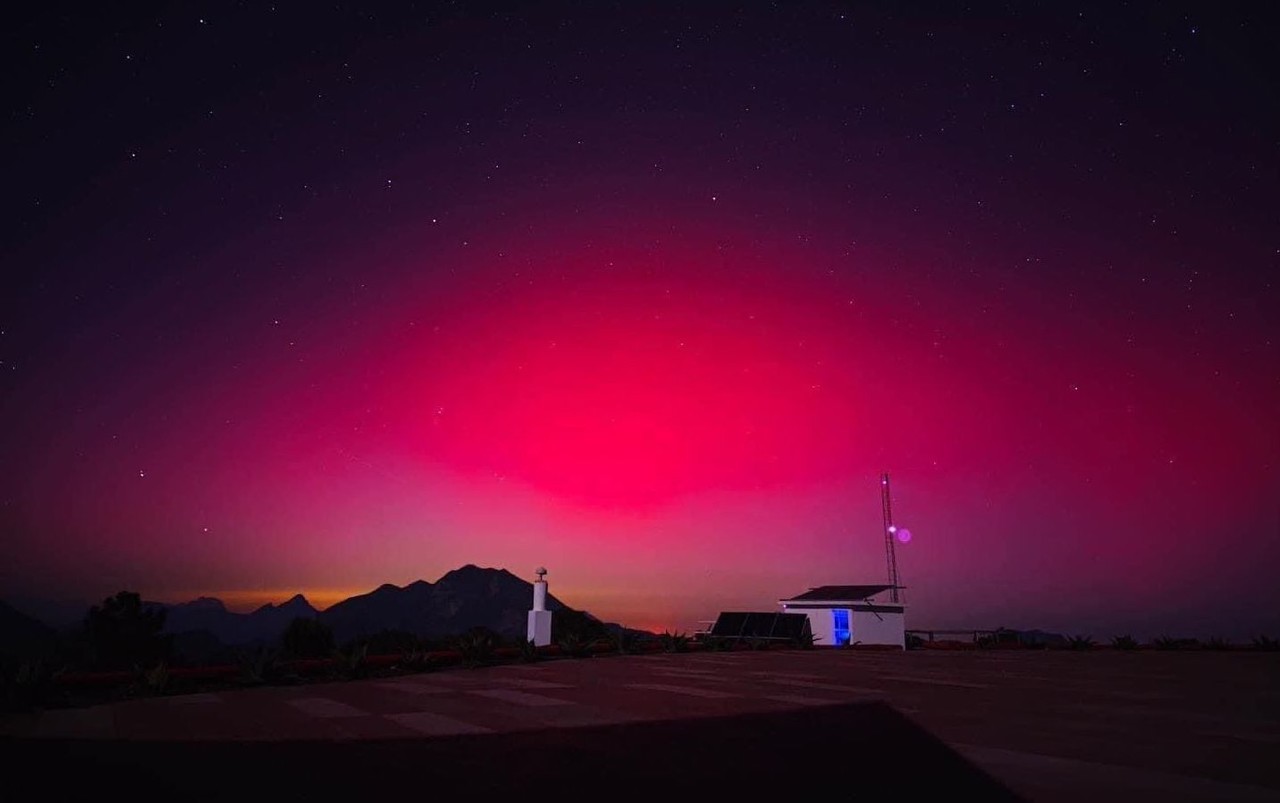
(540, 618)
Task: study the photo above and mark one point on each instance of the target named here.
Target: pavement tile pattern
(1052, 726)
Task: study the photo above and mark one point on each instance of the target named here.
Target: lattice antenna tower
(890, 553)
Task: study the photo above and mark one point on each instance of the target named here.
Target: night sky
(303, 297)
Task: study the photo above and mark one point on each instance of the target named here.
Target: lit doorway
(840, 627)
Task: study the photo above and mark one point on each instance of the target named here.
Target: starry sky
(305, 297)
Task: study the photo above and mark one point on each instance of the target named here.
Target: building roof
(838, 593)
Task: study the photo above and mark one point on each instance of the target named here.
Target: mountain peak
(296, 601)
(472, 570)
(203, 604)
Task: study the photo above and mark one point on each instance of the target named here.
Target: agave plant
(353, 663)
(1080, 642)
(720, 643)
(31, 684)
(156, 679)
(625, 641)
(476, 647)
(414, 659)
(674, 642)
(1124, 643)
(260, 666)
(1266, 644)
(529, 651)
(804, 641)
(575, 646)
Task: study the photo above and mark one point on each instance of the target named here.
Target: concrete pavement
(1051, 726)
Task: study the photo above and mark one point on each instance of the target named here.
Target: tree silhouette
(307, 637)
(122, 633)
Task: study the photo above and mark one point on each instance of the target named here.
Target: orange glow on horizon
(249, 600)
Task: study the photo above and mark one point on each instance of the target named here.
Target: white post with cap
(539, 631)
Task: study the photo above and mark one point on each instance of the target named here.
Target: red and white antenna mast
(890, 553)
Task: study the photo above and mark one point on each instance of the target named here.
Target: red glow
(637, 393)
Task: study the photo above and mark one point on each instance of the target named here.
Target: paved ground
(1051, 726)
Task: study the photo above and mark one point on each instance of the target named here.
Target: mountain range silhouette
(462, 599)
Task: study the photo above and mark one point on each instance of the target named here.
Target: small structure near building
(845, 615)
(539, 630)
(760, 626)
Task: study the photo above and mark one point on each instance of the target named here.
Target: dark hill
(460, 600)
(21, 634)
(262, 626)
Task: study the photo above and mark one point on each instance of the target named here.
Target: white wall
(872, 628)
(822, 624)
(865, 627)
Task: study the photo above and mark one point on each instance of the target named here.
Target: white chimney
(540, 618)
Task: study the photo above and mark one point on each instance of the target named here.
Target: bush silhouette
(122, 633)
(1125, 643)
(306, 637)
(574, 646)
(391, 642)
(477, 646)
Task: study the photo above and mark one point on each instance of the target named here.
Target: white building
(844, 615)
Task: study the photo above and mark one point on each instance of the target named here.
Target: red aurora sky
(589, 313)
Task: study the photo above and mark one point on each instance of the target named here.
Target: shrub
(529, 651)
(1167, 643)
(1266, 644)
(259, 666)
(392, 642)
(1217, 643)
(804, 641)
(719, 643)
(122, 633)
(154, 680)
(674, 642)
(31, 684)
(1080, 642)
(476, 646)
(414, 659)
(353, 663)
(575, 646)
(307, 637)
(625, 641)
(1124, 643)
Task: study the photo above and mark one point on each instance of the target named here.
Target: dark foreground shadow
(864, 751)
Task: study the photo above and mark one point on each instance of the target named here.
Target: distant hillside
(460, 600)
(262, 626)
(21, 634)
(60, 614)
